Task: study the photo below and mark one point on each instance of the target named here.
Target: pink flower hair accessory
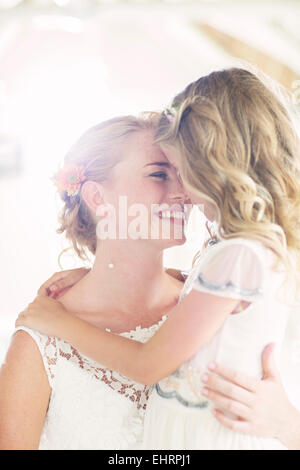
(69, 179)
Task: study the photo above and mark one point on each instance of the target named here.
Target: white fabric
(178, 416)
(90, 407)
(233, 268)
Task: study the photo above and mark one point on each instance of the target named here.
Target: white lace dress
(90, 407)
(178, 416)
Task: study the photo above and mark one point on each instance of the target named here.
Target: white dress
(91, 407)
(178, 416)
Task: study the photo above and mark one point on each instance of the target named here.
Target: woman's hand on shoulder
(44, 314)
(54, 286)
(262, 406)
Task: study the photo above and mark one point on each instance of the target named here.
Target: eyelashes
(164, 176)
(160, 174)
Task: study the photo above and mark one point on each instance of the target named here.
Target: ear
(92, 193)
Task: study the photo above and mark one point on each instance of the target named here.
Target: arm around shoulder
(24, 395)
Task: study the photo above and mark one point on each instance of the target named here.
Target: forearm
(185, 330)
(175, 342)
(123, 355)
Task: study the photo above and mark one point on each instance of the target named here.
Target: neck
(136, 283)
(137, 269)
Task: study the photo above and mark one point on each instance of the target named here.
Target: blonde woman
(51, 396)
(232, 142)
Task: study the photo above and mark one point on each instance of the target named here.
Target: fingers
(33, 310)
(21, 319)
(228, 389)
(60, 285)
(235, 407)
(41, 302)
(37, 303)
(268, 362)
(45, 288)
(61, 280)
(237, 377)
(233, 424)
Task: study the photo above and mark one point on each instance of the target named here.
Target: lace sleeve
(48, 348)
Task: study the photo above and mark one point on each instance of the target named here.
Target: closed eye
(160, 174)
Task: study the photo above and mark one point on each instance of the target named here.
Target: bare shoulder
(23, 346)
(23, 360)
(24, 394)
(21, 340)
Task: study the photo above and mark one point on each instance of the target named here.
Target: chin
(173, 242)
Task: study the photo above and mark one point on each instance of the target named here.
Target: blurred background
(66, 65)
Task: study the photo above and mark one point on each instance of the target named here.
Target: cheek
(193, 197)
(146, 192)
(141, 191)
(150, 191)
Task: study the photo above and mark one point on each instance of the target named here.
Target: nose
(178, 194)
(178, 197)
(176, 189)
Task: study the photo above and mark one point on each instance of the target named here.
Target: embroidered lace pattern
(54, 349)
(137, 393)
(90, 406)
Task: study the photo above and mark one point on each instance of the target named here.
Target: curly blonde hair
(240, 151)
(97, 151)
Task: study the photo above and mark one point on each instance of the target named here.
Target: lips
(175, 214)
(180, 215)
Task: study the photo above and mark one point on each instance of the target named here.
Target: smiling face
(154, 194)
